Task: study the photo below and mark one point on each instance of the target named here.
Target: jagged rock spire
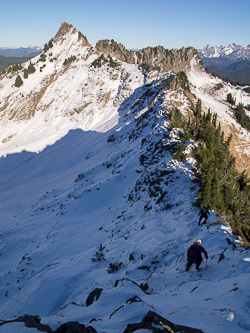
(64, 28)
(67, 28)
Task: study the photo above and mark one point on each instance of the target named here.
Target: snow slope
(69, 184)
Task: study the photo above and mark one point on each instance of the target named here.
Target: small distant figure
(194, 255)
(204, 212)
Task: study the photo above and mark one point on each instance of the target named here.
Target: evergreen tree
(205, 194)
(176, 118)
(42, 57)
(198, 109)
(182, 79)
(18, 81)
(230, 99)
(31, 68)
(46, 47)
(217, 198)
(25, 73)
(50, 44)
(214, 121)
(241, 116)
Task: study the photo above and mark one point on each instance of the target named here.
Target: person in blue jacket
(204, 212)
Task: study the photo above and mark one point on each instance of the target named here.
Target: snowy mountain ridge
(49, 95)
(233, 50)
(96, 215)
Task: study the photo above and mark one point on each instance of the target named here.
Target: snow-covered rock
(233, 50)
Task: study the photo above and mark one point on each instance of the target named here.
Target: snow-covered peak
(34, 46)
(233, 50)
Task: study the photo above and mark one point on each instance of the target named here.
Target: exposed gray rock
(157, 57)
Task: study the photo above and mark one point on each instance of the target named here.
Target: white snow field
(71, 181)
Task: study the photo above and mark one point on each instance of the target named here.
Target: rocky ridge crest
(70, 49)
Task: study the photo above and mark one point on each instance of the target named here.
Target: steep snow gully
(95, 227)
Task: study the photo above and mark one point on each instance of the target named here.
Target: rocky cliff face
(152, 58)
(167, 60)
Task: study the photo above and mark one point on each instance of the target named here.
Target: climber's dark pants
(189, 264)
(201, 217)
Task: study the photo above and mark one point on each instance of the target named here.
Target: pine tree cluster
(48, 46)
(69, 60)
(241, 116)
(222, 187)
(14, 68)
(101, 60)
(31, 69)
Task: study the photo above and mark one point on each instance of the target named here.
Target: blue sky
(134, 23)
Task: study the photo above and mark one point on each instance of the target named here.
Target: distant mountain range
(233, 51)
(232, 62)
(17, 56)
(30, 51)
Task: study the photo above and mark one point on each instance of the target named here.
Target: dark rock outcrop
(35, 322)
(29, 321)
(93, 296)
(152, 320)
(74, 327)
